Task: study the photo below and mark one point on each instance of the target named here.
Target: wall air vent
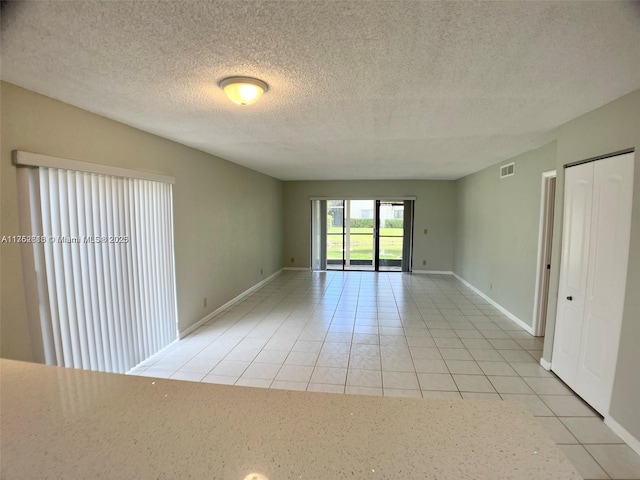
(507, 170)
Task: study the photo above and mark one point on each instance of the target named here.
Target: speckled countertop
(74, 424)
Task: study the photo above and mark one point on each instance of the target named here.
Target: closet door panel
(608, 259)
(573, 271)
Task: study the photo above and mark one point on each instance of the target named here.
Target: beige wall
(434, 210)
(497, 225)
(228, 219)
(611, 128)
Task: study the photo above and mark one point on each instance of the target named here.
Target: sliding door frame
(407, 246)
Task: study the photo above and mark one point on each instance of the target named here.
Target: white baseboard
(159, 353)
(202, 321)
(506, 312)
(303, 269)
(622, 432)
(432, 272)
(544, 364)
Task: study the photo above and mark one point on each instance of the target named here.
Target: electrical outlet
(424, 262)
(426, 231)
(293, 260)
(204, 302)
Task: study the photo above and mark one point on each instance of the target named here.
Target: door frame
(543, 262)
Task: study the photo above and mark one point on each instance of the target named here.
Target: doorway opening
(541, 296)
(362, 234)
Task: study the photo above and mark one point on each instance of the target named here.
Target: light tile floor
(391, 334)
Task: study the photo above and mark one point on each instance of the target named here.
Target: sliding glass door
(335, 238)
(390, 235)
(359, 234)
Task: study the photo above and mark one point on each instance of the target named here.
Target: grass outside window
(362, 243)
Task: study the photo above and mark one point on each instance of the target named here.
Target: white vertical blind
(104, 266)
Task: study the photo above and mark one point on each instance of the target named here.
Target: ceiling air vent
(507, 170)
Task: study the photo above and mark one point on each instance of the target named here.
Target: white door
(593, 272)
(573, 271)
(606, 281)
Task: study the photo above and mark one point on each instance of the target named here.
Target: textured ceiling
(358, 89)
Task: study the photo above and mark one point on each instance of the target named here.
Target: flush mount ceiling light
(243, 90)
